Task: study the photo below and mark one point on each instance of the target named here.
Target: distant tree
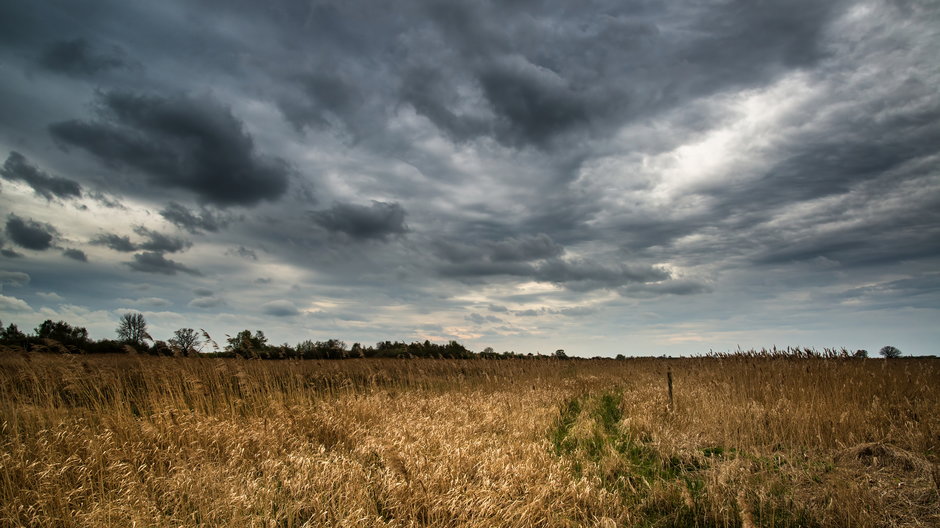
(357, 351)
(12, 336)
(62, 332)
(246, 345)
(160, 348)
(861, 353)
(66, 338)
(560, 354)
(132, 329)
(186, 340)
(889, 352)
(621, 356)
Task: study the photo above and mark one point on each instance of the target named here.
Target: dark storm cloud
(77, 57)
(160, 242)
(607, 64)
(154, 262)
(190, 221)
(75, 254)
(193, 143)
(29, 234)
(17, 167)
(153, 242)
(115, 242)
(379, 221)
(539, 258)
(322, 100)
(534, 103)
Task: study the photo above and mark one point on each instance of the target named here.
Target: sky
(626, 177)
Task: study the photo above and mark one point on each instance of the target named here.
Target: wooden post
(669, 382)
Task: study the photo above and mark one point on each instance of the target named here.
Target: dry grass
(124, 441)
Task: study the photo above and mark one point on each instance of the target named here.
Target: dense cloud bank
(681, 175)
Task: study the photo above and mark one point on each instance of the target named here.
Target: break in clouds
(603, 177)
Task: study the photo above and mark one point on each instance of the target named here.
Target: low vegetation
(746, 440)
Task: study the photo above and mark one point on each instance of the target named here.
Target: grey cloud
(30, 234)
(154, 302)
(502, 254)
(17, 167)
(203, 292)
(584, 275)
(183, 142)
(75, 254)
(280, 308)
(669, 287)
(920, 291)
(483, 319)
(154, 262)
(105, 200)
(78, 57)
(206, 302)
(14, 278)
(577, 311)
(185, 219)
(359, 222)
(524, 249)
(243, 252)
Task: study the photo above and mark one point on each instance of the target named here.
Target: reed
(747, 440)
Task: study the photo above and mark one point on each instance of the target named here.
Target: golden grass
(124, 441)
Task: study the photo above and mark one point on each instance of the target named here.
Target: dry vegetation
(143, 441)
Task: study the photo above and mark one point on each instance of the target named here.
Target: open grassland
(145, 441)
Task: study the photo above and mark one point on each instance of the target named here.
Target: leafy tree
(246, 345)
(186, 340)
(889, 352)
(62, 332)
(560, 354)
(861, 353)
(621, 356)
(132, 329)
(12, 336)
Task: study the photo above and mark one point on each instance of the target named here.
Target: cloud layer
(669, 176)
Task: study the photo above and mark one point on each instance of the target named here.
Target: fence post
(669, 383)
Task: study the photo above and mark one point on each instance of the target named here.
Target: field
(744, 441)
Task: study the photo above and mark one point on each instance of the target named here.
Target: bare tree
(132, 329)
(186, 340)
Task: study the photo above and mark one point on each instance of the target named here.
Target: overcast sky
(636, 177)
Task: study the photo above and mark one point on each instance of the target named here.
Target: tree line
(132, 336)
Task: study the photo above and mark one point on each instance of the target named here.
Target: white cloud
(12, 304)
